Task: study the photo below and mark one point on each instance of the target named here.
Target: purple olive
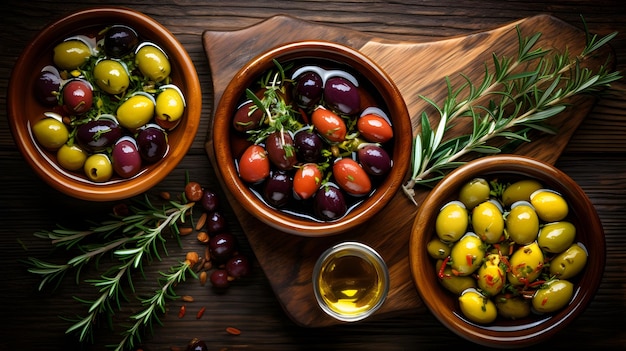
(244, 120)
(341, 95)
(280, 150)
(99, 134)
(278, 189)
(210, 200)
(308, 146)
(308, 90)
(238, 266)
(120, 40)
(47, 87)
(329, 202)
(222, 247)
(152, 143)
(125, 158)
(77, 96)
(374, 160)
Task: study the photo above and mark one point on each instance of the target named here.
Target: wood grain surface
(595, 157)
(417, 69)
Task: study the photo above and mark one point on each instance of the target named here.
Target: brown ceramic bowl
(24, 110)
(227, 145)
(534, 328)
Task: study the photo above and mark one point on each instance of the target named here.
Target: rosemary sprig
(507, 105)
(142, 229)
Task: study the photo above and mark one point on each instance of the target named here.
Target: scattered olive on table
(507, 250)
(317, 139)
(109, 95)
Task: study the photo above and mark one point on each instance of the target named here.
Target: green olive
(556, 237)
(136, 111)
(467, 254)
(552, 296)
(71, 54)
(452, 221)
(474, 192)
(522, 223)
(152, 62)
(476, 307)
(71, 157)
(438, 249)
(456, 284)
(520, 191)
(50, 133)
(549, 204)
(98, 168)
(570, 262)
(488, 222)
(514, 307)
(170, 104)
(111, 76)
(526, 264)
(491, 275)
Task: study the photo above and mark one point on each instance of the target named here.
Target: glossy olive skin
(488, 222)
(126, 158)
(526, 264)
(153, 63)
(550, 206)
(135, 112)
(97, 135)
(244, 120)
(120, 40)
(152, 143)
(522, 223)
(70, 54)
(474, 192)
(451, 222)
(50, 133)
(309, 146)
(491, 276)
(456, 284)
(520, 191)
(437, 249)
(467, 254)
(170, 105)
(553, 296)
(512, 307)
(330, 203)
(71, 157)
(281, 150)
(77, 96)
(570, 262)
(47, 85)
(98, 168)
(374, 160)
(341, 95)
(278, 189)
(556, 237)
(111, 76)
(477, 308)
(308, 89)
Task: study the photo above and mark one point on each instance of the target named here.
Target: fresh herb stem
(142, 231)
(506, 105)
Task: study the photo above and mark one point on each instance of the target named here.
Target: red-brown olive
(125, 157)
(280, 150)
(238, 266)
(210, 200)
(219, 279)
(222, 246)
(244, 120)
(77, 96)
(215, 223)
(197, 345)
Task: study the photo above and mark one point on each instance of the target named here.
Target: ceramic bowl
(506, 333)
(24, 109)
(374, 82)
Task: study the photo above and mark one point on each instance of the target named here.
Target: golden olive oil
(351, 281)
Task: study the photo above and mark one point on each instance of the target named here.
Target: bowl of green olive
(103, 103)
(310, 137)
(506, 251)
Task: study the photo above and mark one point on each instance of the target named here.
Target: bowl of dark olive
(104, 103)
(506, 251)
(311, 138)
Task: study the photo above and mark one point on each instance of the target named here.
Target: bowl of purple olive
(104, 103)
(312, 138)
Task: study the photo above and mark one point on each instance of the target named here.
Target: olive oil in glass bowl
(350, 281)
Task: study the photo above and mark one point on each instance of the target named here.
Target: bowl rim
(124, 188)
(425, 282)
(225, 160)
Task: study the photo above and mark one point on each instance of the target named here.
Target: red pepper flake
(469, 259)
(442, 269)
(200, 313)
(181, 312)
(233, 331)
(544, 301)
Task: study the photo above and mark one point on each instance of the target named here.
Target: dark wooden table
(595, 158)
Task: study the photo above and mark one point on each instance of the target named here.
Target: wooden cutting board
(417, 69)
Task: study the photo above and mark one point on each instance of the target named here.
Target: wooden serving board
(417, 69)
